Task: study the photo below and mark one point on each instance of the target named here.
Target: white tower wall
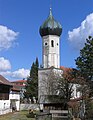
(51, 51)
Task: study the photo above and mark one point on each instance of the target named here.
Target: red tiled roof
(4, 81)
(19, 81)
(15, 89)
(65, 69)
(67, 73)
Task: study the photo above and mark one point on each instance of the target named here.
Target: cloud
(18, 74)
(5, 70)
(77, 37)
(4, 64)
(7, 37)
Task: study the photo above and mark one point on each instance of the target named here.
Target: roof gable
(4, 81)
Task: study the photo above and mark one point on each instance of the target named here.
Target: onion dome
(50, 26)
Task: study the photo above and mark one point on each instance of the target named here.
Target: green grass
(16, 116)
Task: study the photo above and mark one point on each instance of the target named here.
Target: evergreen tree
(32, 82)
(85, 65)
(85, 61)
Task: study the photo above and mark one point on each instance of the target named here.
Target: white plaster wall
(4, 104)
(17, 105)
(75, 94)
(51, 55)
(43, 82)
(14, 96)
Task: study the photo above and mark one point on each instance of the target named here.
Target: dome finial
(50, 7)
(50, 11)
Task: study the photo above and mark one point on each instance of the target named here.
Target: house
(20, 85)
(75, 84)
(9, 96)
(5, 88)
(14, 98)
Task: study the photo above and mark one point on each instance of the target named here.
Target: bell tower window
(52, 43)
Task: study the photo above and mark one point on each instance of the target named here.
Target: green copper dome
(50, 26)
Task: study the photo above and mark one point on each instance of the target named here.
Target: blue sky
(20, 42)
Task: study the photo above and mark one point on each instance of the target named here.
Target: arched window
(52, 43)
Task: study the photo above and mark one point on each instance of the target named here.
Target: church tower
(50, 32)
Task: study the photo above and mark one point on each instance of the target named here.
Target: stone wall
(29, 106)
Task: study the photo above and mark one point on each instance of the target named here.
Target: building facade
(20, 85)
(9, 96)
(5, 87)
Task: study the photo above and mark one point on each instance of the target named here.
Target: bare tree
(56, 86)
